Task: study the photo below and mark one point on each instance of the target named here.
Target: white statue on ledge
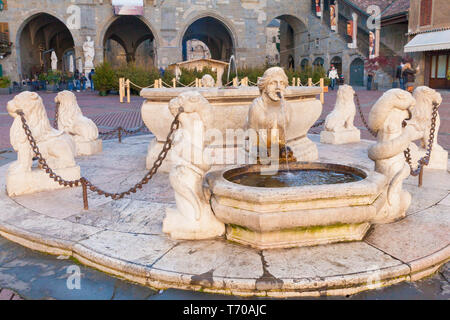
(339, 128)
(386, 118)
(89, 53)
(193, 217)
(71, 120)
(56, 147)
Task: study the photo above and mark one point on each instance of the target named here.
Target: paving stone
(6, 294)
(419, 235)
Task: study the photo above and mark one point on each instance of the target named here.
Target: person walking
(333, 75)
(408, 74)
(83, 81)
(91, 79)
(399, 75)
(76, 76)
(370, 76)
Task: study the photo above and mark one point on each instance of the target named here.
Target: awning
(431, 41)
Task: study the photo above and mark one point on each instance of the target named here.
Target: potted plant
(105, 78)
(53, 78)
(5, 83)
(42, 78)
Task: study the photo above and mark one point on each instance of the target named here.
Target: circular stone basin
(314, 203)
(292, 177)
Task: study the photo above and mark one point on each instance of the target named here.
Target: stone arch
(213, 14)
(357, 71)
(25, 67)
(100, 36)
(129, 32)
(292, 36)
(337, 62)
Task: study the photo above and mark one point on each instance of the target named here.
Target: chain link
(358, 104)
(84, 181)
(426, 159)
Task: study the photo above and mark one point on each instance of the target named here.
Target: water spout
(232, 58)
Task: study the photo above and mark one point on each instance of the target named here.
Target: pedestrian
(399, 74)
(76, 77)
(70, 80)
(333, 75)
(83, 81)
(91, 78)
(408, 74)
(370, 76)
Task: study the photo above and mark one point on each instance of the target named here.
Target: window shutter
(425, 12)
(4, 32)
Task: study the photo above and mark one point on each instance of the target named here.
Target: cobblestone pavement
(108, 113)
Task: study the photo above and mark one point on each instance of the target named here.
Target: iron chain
(84, 181)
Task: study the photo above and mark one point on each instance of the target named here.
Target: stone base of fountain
(297, 237)
(287, 216)
(125, 238)
(340, 137)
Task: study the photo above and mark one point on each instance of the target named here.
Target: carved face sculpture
(273, 83)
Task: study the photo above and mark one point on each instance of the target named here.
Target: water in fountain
(283, 111)
(232, 58)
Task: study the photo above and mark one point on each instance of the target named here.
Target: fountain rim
(216, 93)
(374, 183)
(296, 166)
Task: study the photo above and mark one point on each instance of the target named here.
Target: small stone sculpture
(71, 120)
(268, 114)
(193, 217)
(89, 53)
(421, 117)
(386, 118)
(339, 128)
(54, 59)
(56, 147)
(208, 81)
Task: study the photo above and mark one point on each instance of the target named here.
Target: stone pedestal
(340, 137)
(88, 148)
(438, 159)
(304, 149)
(38, 180)
(154, 148)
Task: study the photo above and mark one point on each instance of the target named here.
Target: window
(4, 32)
(425, 12)
(442, 67)
(274, 39)
(3, 5)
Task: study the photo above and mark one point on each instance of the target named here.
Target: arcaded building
(158, 33)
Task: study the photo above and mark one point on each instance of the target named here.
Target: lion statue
(71, 119)
(421, 117)
(341, 118)
(386, 118)
(193, 217)
(208, 81)
(56, 147)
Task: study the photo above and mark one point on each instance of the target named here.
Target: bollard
(128, 90)
(119, 130)
(309, 82)
(121, 91)
(156, 83)
(322, 95)
(174, 82)
(293, 82)
(235, 82)
(298, 82)
(85, 198)
(160, 83)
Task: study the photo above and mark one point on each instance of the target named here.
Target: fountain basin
(230, 109)
(293, 216)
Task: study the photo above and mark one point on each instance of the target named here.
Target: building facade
(429, 45)
(160, 30)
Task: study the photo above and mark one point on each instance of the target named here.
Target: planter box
(52, 88)
(5, 90)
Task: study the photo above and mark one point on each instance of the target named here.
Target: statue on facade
(54, 59)
(89, 53)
